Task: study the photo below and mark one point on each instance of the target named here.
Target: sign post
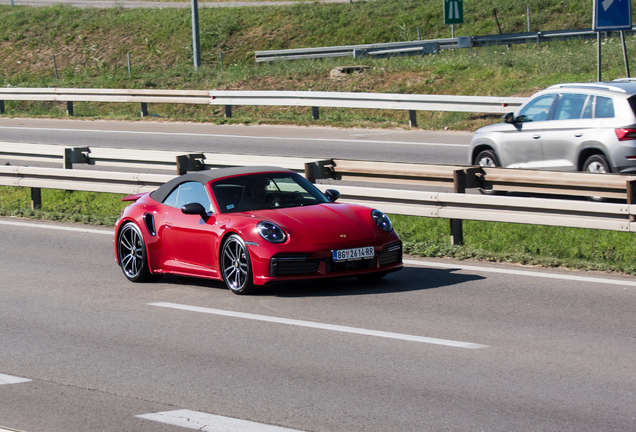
(612, 15)
(454, 13)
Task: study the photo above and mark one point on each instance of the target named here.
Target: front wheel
(236, 266)
(131, 250)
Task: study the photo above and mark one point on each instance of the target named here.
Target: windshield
(265, 191)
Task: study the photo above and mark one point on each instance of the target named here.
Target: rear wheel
(488, 159)
(236, 266)
(131, 250)
(597, 164)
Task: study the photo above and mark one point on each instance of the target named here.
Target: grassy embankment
(91, 45)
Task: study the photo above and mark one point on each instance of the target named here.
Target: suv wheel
(597, 164)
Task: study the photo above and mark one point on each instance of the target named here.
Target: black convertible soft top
(205, 177)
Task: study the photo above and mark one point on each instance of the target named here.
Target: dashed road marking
(110, 232)
(321, 326)
(8, 379)
(210, 422)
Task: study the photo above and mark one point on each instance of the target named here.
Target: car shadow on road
(408, 279)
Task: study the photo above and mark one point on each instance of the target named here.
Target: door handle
(536, 136)
(168, 225)
(578, 135)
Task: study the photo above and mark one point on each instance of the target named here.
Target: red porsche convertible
(249, 227)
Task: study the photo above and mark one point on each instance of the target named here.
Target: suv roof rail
(602, 86)
(624, 79)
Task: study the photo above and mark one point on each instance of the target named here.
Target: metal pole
(12, 3)
(55, 67)
(528, 14)
(598, 56)
(625, 53)
(418, 33)
(221, 60)
(128, 57)
(452, 30)
(196, 47)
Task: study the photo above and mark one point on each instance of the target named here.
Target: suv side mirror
(332, 194)
(509, 118)
(194, 208)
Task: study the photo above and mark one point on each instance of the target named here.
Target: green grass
(428, 237)
(90, 47)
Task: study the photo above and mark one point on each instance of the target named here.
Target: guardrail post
(69, 108)
(318, 170)
(36, 198)
(631, 195)
(68, 158)
(2, 107)
(189, 162)
(144, 109)
(459, 186)
(412, 118)
(315, 113)
(228, 111)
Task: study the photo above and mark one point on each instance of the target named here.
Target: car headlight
(382, 220)
(271, 232)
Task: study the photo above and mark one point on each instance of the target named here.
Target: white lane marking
(406, 261)
(204, 135)
(521, 273)
(8, 379)
(55, 227)
(321, 326)
(210, 422)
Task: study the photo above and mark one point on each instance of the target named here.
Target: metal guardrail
(421, 47)
(409, 102)
(453, 206)
(144, 159)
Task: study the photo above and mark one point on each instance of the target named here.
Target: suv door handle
(578, 135)
(536, 136)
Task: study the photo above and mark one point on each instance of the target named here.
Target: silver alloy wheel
(486, 161)
(131, 250)
(596, 167)
(235, 265)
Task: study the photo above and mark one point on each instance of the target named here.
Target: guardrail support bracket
(1, 107)
(189, 162)
(319, 170)
(144, 109)
(315, 113)
(228, 111)
(69, 108)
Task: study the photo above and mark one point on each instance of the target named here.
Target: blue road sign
(612, 15)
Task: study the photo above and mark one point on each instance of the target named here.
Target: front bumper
(296, 267)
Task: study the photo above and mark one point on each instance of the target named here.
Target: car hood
(323, 223)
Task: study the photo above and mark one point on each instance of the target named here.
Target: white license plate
(353, 254)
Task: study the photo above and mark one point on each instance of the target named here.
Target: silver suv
(566, 127)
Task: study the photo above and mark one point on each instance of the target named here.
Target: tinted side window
(570, 106)
(604, 107)
(538, 109)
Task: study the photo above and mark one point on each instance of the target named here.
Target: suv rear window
(604, 107)
(632, 103)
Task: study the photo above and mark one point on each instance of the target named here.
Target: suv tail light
(625, 134)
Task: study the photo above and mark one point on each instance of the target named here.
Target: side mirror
(332, 194)
(509, 118)
(194, 208)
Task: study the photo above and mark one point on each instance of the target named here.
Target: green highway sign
(453, 11)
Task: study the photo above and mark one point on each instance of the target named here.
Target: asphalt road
(315, 142)
(467, 347)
